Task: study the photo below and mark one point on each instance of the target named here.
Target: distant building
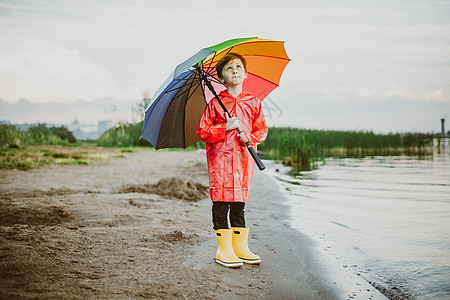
(89, 131)
(104, 126)
(23, 127)
(83, 131)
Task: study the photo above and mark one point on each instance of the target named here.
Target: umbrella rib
(258, 55)
(264, 79)
(211, 76)
(201, 81)
(229, 50)
(178, 80)
(197, 83)
(180, 94)
(169, 90)
(268, 56)
(189, 95)
(193, 91)
(206, 71)
(211, 61)
(193, 81)
(201, 85)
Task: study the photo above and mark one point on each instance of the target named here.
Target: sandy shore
(119, 230)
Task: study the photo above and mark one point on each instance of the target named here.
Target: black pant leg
(220, 215)
(237, 214)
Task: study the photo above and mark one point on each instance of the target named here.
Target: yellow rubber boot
(240, 246)
(225, 255)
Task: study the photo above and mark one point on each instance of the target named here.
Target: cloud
(381, 115)
(43, 73)
(400, 91)
(24, 111)
(436, 95)
(367, 92)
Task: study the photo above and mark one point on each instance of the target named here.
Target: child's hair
(226, 59)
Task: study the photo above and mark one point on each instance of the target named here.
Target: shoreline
(75, 232)
(288, 269)
(344, 283)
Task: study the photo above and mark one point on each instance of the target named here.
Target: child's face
(233, 73)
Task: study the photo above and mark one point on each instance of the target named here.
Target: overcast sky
(357, 65)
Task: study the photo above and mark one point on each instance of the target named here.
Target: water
(386, 218)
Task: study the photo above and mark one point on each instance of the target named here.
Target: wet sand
(120, 230)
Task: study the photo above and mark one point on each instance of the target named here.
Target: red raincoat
(230, 164)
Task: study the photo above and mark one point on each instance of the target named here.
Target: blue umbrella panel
(171, 120)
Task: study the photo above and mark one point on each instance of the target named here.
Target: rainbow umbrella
(172, 118)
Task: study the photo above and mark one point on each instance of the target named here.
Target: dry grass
(37, 156)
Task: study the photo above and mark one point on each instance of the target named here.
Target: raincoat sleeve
(210, 130)
(259, 127)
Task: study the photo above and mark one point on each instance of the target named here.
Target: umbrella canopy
(172, 118)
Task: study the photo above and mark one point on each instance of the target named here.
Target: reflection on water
(386, 217)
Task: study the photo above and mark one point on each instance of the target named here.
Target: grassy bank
(303, 149)
(32, 157)
(41, 145)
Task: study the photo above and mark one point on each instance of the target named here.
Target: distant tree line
(41, 134)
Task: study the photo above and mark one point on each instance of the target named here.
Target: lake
(387, 218)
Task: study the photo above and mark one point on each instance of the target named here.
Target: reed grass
(123, 135)
(303, 149)
(128, 135)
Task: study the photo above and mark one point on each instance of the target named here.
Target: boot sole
(228, 264)
(256, 261)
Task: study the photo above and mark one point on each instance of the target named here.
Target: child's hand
(232, 123)
(243, 138)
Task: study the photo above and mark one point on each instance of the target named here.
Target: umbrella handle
(250, 148)
(255, 156)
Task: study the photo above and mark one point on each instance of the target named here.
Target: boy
(230, 165)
